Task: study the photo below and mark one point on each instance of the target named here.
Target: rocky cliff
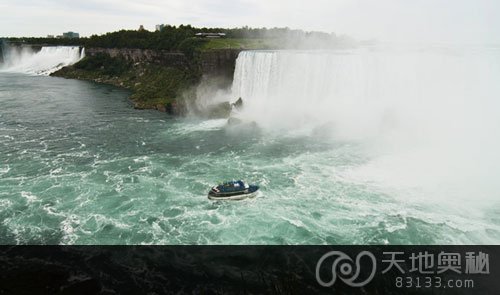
(216, 62)
(158, 57)
(219, 62)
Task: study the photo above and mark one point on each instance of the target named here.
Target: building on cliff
(210, 35)
(160, 27)
(70, 35)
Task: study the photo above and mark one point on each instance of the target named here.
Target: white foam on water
(4, 170)
(207, 125)
(30, 198)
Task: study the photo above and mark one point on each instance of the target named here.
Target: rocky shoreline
(158, 79)
(71, 72)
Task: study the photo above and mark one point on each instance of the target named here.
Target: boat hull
(250, 192)
(233, 197)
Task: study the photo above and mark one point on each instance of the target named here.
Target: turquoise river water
(78, 165)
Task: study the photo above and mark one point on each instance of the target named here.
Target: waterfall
(294, 89)
(430, 114)
(48, 59)
(360, 92)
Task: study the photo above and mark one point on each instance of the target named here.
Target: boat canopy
(231, 186)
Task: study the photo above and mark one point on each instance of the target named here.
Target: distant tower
(141, 28)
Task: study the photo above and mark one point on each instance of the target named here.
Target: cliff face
(158, 57)
(219, 62)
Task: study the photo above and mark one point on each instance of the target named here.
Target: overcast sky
(462, 21)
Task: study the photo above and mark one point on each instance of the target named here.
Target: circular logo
(344, 263)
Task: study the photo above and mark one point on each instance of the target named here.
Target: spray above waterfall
(48, 59)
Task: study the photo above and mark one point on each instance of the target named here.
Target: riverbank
(152, 86)
(158, 79)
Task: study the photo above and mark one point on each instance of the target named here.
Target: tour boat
(233, 190)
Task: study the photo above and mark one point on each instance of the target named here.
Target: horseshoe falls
(47, 60)
(424, 118)
(366, 146)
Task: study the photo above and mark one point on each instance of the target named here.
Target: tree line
(177, 37)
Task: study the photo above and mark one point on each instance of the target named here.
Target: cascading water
(44, 62)
(424, 116)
